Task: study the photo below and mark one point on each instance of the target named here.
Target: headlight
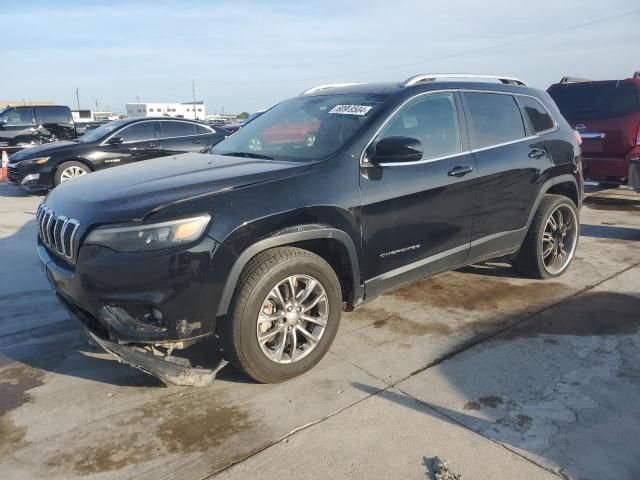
(154, 236)
(35, 161)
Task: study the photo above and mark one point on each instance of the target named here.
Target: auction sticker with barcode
(350, 109)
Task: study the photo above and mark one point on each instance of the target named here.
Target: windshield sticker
(351, 109)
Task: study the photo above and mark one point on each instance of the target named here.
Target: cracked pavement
(500, 376)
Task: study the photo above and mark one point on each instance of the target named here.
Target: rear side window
(17, 116)
(53, 115)
(176, 129)
(433, 120)
(202, 130)
(593, 101)
(495, 119)
(540, 118)
(138, 132)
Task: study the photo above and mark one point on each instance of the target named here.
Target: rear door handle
(537, 153)
(152, 145)
(460, 171)
(197, 141)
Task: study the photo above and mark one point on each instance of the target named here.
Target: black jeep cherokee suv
(266, 240)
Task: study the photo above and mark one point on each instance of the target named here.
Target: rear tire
(546, 251)
(256, 311)
(69, 171)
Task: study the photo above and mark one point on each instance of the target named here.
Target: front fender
(286, 237)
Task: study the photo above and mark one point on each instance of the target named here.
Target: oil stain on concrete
(179, 424)
(15, 382)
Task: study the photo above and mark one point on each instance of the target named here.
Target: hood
(130, 192)
(41, 150)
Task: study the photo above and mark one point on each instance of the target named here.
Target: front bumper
(30, 179)
(160, 367)
(162, 297)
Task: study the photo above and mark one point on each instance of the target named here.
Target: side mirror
(115, 140)
(397, 149)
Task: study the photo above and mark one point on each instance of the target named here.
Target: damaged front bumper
(140, 356)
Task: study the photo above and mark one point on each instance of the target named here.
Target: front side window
(495, 119)
(540, 118)
(17, 116)
(304, 128)
(52, 115)
(138, 132)
(433, 120)
(176, 129)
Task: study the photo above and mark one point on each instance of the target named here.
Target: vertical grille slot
(57, 233)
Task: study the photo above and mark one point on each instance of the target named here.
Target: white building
(194, 111)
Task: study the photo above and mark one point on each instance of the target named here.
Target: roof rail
(328, 86)
(574, 80)
(430, 77)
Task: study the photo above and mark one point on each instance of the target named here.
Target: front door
(139, 142)
(17, 129)
(417, 216)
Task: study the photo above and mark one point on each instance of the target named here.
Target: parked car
(28, 126)
(403, 181)
(607, 115)
(115, 143)
(233, 127)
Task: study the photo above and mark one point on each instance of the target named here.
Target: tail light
(638, 135)
(579, 138)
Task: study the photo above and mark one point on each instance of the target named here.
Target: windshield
(303, 128)
(100, 132)
(593, 101)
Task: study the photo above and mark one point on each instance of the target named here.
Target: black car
(27, 126)
(266, 245)
(115, 143)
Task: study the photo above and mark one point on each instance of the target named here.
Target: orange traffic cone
(5, 160)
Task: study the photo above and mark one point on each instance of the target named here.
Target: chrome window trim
(510, 142)
(364, 163)
(593, 135)
(160, 137)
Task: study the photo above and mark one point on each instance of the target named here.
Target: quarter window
(495, 119)
(202, 130)
(176, 129)
(433, 120)
(538, 115)
(139, 132)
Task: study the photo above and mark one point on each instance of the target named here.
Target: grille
(57, 232)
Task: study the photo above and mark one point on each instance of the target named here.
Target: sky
(248, 55)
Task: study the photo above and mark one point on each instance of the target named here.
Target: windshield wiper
(247, 155)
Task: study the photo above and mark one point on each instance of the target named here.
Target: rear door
(509, 159)
(54, 123)
(18, 128)
(209, 136)
(177, 137)
(140, 141)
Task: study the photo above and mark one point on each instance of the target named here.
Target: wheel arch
(565, 185)
(333, 245)
(82, 160)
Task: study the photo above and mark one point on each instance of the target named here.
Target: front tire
(69, 171)
(551, 241)
(284, 315)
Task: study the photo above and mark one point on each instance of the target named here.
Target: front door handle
(537, 153)
(197, 141)
(460, 171)
(152, 145)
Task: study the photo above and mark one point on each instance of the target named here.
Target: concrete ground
(501, 376)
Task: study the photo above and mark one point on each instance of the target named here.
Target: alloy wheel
(559, 239)
(72, 172)
(292, 319)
